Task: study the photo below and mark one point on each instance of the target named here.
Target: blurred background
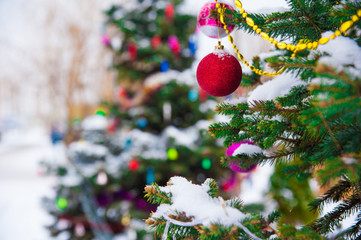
(58, 67)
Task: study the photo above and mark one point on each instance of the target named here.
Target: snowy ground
(22, 184)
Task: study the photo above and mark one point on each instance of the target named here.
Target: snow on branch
(93, 123)
(247, 149)
(278, 87)
(189, 205)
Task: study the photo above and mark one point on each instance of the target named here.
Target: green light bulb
(100, 112)
(206, 163)
(61, 203)
(172, 154)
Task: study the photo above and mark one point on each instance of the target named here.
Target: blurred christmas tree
(156, 128)
(305, 121)
(149, 36)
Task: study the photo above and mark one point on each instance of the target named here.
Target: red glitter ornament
(219, 73)
(133, 165)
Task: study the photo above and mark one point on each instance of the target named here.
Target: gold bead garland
(301, 46)
(239, 55)
(280, 45)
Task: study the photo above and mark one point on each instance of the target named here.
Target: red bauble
(122, 93)
(132, 51)
(169, 11)
(133, 165)
(112, 127)
(203, 96)
(156, 42)
(226, 187)
(219, 73)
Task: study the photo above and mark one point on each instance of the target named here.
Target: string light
(301, 46)
(62, 203)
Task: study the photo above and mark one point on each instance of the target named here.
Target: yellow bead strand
(239, 55)
(301, 46)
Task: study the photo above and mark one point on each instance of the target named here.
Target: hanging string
(220, 46)
(221, 11)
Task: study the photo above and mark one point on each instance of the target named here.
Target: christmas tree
(153, 45)
(305, 121)
(148, 37)
(154, 129)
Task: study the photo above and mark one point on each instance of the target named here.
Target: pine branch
(180, 224)
(273, 217)
(330, 132)
(155, 195)
(221, 130)
(352, 232)
(328, 222)
(335, 194)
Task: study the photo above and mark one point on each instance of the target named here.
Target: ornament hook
(219, 46)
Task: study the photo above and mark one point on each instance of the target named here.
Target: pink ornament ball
(105, 39)
(234, 166)
(210, 26)
(174, 44)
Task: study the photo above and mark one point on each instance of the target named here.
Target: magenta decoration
(210, 26)
(105, 39)
(234, 166)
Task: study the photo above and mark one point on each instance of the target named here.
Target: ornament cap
(219, 46)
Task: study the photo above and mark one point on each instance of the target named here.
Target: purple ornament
(233, 166)
(123, 195)
(140, 203)
(143, 205)
(103, 199)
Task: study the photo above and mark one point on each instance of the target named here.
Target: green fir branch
(335, 194)
(353, 232)
(328, 222)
